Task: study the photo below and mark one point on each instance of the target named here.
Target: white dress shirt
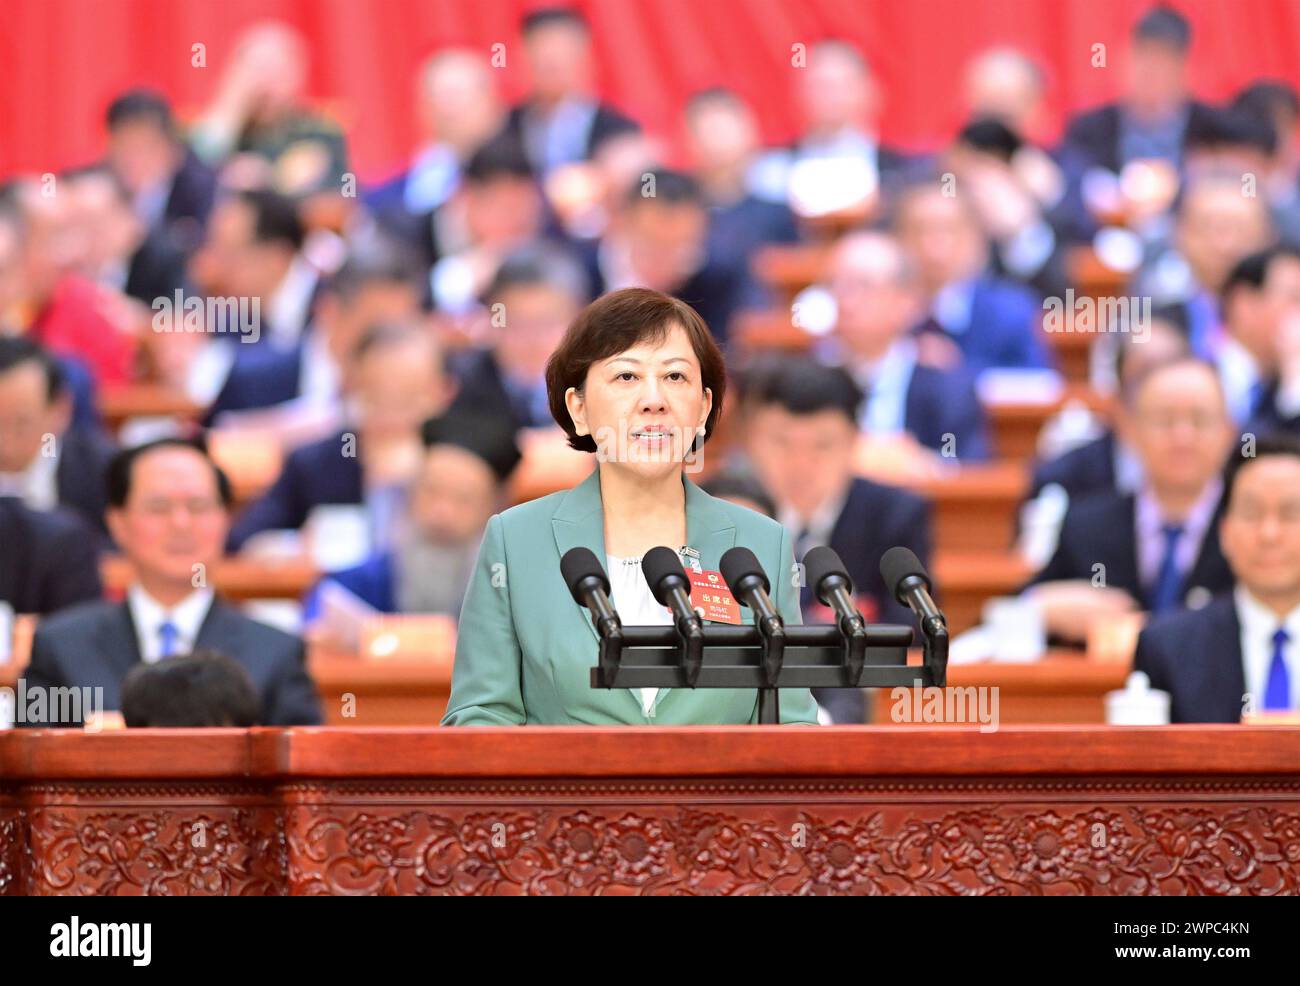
(1258, 624)
(37, 485)
(886, 382)
(636, 605)
(149, 615)
(289, 308)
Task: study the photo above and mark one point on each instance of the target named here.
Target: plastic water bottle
(1137, 703)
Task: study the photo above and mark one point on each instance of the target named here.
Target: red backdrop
(61, 61)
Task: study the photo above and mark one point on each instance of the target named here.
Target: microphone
(749, 584)
(831, 584)
(905, 576)
(666, 577)
(585, 577)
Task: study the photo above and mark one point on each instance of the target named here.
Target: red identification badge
(712, 599)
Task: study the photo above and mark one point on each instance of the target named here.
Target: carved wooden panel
(655, 811)
(830, 848)
(178, 840)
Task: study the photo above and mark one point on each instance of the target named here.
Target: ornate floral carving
(1019, 849)
(104, 851)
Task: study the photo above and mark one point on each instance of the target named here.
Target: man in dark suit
(560, 122)
(397, 381)
(1241, 653)
(926, 413)
(253, 251)
(1157, 107)
(536, 293)
(988, 320)
(801, 431)
(1157, 549)
(171, 189)
(659, 239)
(722, 135)
(457, 111)
(49, 559)
(838, 162)
(43, 460)
(168, 511)
(377, 284)
(1259, 354)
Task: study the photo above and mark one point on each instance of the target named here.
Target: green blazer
(525, 649)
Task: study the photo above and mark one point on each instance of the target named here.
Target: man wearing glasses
(1241, 652)
(168, 512)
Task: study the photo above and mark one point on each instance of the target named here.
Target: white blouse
(636, 606)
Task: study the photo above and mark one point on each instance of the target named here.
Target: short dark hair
(1267, 97)
(490, 436)
(1230, 127)
(1251, 271)
(373, 264)
(120, 467)
(17, 350)
(540, 264)
(141, 106)
(275, 217)
(671, 187)
(1264, 446)
(802, 385)
(384, 335)
(552, 16)
(1166, 26)
(500, 157)
(992, 136)
(727, 485)
(204, 689)
(613, 324)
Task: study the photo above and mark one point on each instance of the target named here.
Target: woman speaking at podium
(638, 381)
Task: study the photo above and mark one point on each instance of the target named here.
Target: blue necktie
(1165, 596)
(168, 633)
(1277, 693)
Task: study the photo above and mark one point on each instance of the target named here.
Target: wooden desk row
(699, 810)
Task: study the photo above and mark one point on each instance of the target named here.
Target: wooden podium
(701, 810)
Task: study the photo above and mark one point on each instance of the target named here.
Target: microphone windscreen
(578, 564)
(820, 562)
(900, 563)
(739, 563)
(657, 565)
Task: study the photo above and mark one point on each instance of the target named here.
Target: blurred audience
(461, 483)
(395, 380)
(49, 559)
(801, 437)
(972, 317)
(918, 413)
(560, 120)
(45, 460)
(258, 128)
(457, 111)
(1157, 549)
(170, 189)
(536, 293)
